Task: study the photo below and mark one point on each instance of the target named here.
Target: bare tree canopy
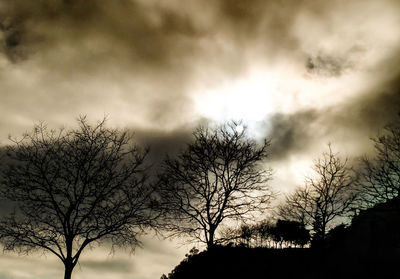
(218, 177)
(73, 188)
(381, 176)
(325, 197)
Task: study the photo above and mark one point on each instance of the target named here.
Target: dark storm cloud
(357, 121)
(291, 133)
(152, 32)
(327, 65)
(144, 33)
(162, 44)
(370, 113)
(112, 265)
(154, 51)
(11, 41)
(255, 19)
(162, 143)
(366, 114)
(163, 35)
(144, 49)
(154, 36)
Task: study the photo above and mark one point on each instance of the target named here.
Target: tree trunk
(210, 242)
(68, 270)
(68, 273)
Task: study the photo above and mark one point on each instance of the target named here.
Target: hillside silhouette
(368, 248)
(372, 235)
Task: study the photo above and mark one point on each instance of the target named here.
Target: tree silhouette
(380, 177)
(218, 177)
(292, 232)
(264, 230)
(327, 196)
(73, 188)
(246, 233)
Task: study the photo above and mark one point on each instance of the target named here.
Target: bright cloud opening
(247, 99)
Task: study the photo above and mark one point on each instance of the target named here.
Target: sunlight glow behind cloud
(249, 98)
(275, 89)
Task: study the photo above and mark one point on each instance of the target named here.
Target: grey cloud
(353, 123)
(369, 113)
(145, 50)
(379, 105)
(291, 133)
(152, 36)
(334, 65)
(12, 39)
(111, 265)
(162, 143)
(162, 48)
(125, 28)
(160, 36)
(327, 65)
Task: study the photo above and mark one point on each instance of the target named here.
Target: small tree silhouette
(380, 176)
(246, 233)
(264, 230)
(325, 197)
(292, 232)
(72, 188)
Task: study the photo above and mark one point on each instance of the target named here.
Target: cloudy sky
(301, 72)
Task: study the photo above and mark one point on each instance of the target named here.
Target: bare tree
(218, 177)
(380, 177)
(74, 188)
(326, 197)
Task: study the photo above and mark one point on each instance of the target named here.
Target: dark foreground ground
(241, 262)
